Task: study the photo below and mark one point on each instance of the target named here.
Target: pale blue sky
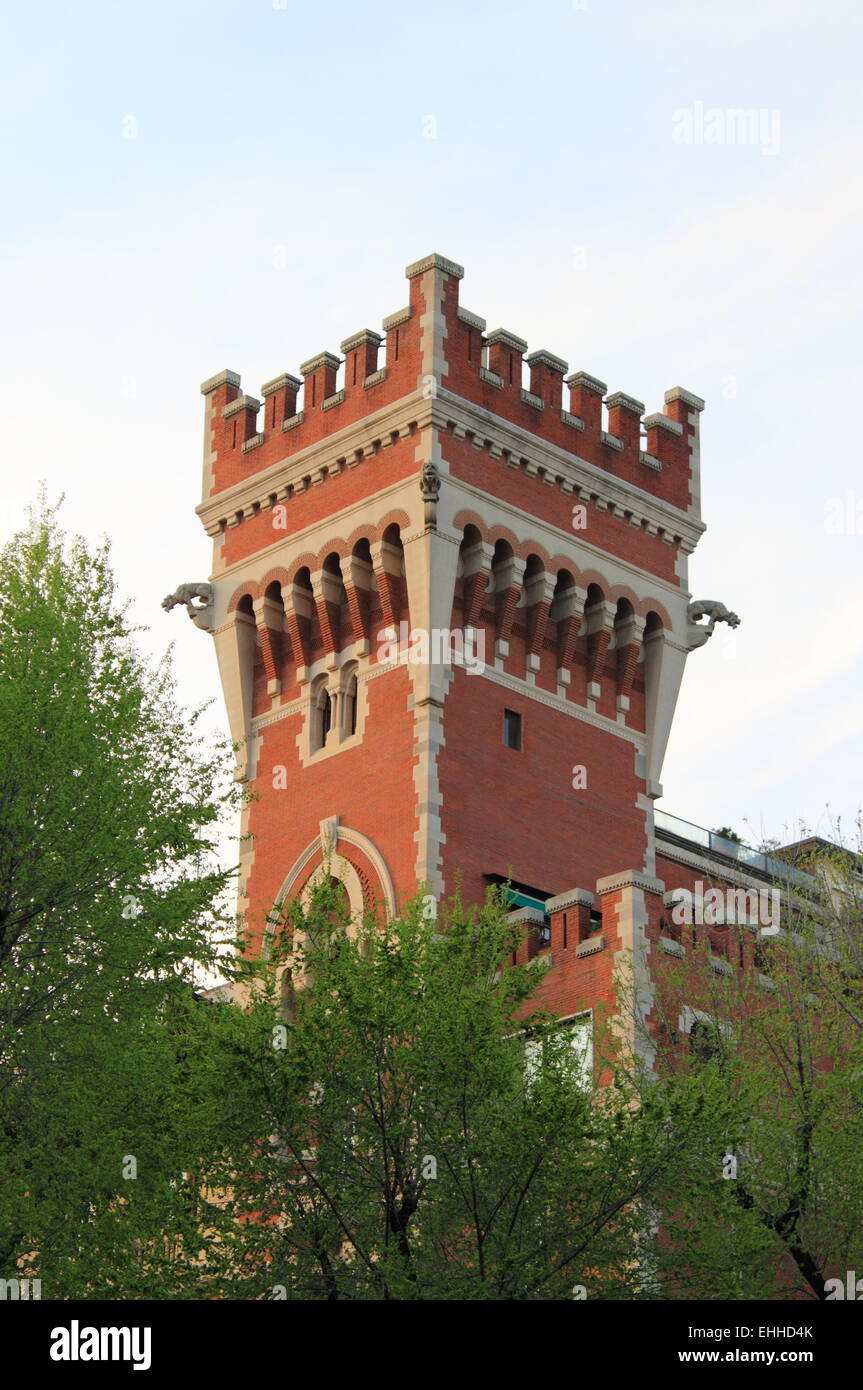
(281, 177)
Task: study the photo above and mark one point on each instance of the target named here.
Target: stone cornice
(591, 383)
(585, 478)
(435, 262)
(543, 358)
(356, 340)
(472, 320)
(285, 380)
(506, 339)
(679, 393)
(223, 378)
(629, 878)
(627, 402)
(240, 567)
(260, 486)
(574, 475)
(320, 359)
(575, 897)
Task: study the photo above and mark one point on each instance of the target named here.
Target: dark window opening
(703, 1042)
(351, 707)
(511, 729)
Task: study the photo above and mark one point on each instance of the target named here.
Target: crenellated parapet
(435, 348)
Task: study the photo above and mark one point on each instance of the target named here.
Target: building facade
(452, 615)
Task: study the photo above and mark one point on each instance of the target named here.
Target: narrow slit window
(511, 729)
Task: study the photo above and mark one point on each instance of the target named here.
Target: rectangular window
(511, 729)
(581, 1038)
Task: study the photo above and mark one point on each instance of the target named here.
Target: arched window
(349, 703)
(322, 714)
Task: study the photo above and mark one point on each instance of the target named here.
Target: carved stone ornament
(430, 488)
(716, 612)
(185, 594)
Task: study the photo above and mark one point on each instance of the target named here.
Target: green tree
(111, 904)
(404, 1124)
(767, 1200)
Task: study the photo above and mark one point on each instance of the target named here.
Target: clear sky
(192, 186)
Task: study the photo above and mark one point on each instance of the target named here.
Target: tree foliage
(430, 1134)
(768, 1200)
(111, 904)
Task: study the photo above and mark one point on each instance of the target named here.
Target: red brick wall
(516, 812)
(369, 786)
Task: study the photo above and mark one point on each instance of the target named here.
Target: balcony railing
(746, 857)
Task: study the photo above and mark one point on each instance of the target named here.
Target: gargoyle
(200, 613)
(429, 482)
(698, 632)
(429, 490)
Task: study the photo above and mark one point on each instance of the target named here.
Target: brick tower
(451, 617)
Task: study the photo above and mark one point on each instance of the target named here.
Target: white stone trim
(350, 837)
(357, 340)
(223, 378)
(543, 358)
(574, 897)
(679, 393)
(434, 262)
(662, 422)
(591, 383)
(506, 339)
(485, 374)
(320, 359)
(574, 421)
(397, 319)
(619, 398)
(241, 403)
(629, 878)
